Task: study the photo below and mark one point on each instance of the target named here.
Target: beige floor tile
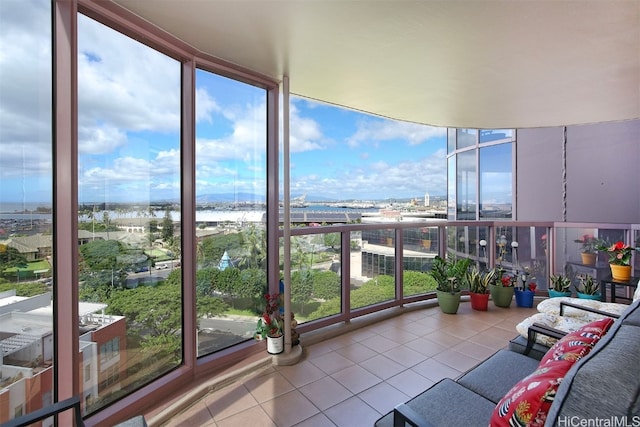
(410, 383)
(401, 336)
(383, 397)
(357, 352)
(289, 409)
(425, 346)
(456, 360)
(254, 417)
(331, 362)
(229, 401)
(382, 366)
(435, 370)
(325, 393)
(405, 356)
(301, 373)
(471, 349)
(379, 343)
(267, 387)
(353, 379)
(353, 412)
(443, 338)
(356, 379)
(318, 420)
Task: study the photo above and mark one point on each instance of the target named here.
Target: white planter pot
(275, 345)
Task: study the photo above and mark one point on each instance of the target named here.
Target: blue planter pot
(524, 298)
(556, 294)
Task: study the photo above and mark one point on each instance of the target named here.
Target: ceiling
(456, 63)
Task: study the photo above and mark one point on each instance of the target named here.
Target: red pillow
(577, 344)
(528, 402)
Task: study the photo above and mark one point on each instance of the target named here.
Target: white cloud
(378, 130)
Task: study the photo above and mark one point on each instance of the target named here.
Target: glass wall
(481, 174)
(231, 190)
(495, 184)
(130, 284)
(26, 201)
(466, 187)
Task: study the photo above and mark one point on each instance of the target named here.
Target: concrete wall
(602, 173)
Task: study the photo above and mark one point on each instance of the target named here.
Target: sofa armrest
(564, 304)
(538, 328)
(403, 415)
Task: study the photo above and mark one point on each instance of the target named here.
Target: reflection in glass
(130, 284)
(492, 135)
(26, 201)
(496, 181)
(420, 247)
(466, 185)
(466, 138)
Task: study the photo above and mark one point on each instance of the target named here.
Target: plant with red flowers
(619, 253)
(270, 324)
(532, 287)
(507, 281)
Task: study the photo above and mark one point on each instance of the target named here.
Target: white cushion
(552, 306)
(563, 323)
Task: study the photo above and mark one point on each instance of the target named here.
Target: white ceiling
(457, 63)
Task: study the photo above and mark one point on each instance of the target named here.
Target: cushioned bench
(590, 374)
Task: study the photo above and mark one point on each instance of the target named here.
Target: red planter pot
(479, 302)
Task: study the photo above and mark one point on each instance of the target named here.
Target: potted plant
(589, 288)
(449, 276)
(270, 325)
(560, 286)
(479, 288)
(502, 289)
(524, 296)
(619, 259)
(588, 249)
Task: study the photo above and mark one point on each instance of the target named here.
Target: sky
(129, 128)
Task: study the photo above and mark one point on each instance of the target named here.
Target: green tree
(167, 226)
(11, 258)
(255, 244)
(332, 240)
(326, 285)
(301, 288)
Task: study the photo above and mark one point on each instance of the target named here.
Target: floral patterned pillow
(528, 402)
(577, 344)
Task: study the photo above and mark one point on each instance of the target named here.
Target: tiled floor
(353, 379)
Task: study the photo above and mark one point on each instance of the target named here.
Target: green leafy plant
(588, 285)
(560, 283)
(619, 252)
(479, 282)
(449, 274)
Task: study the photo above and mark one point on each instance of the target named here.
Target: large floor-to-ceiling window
(129, 234)
(231, 200)
(480, 170)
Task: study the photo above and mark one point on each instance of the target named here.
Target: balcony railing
(340, 272)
